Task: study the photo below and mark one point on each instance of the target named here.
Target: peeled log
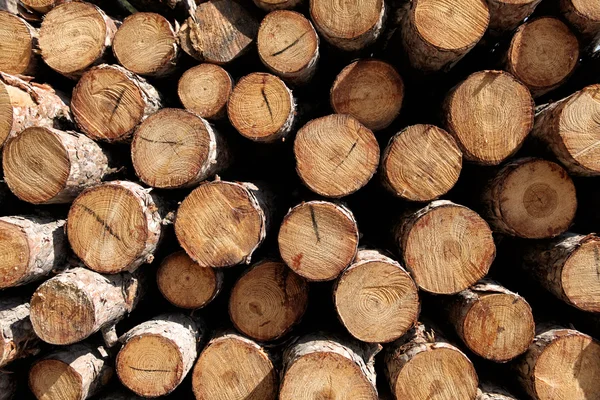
(583, 15)
(205, 90)
(8, 385)
(19, 45)
(270, 5)
(17, 338)
(507, 15)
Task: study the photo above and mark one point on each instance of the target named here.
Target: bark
(489, 391)
(506, 16)
(586, 23)
(16, 333)
(10, 6)
(20, 43)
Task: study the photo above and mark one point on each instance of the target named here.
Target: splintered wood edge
(15, 254)
(50, 379)
(205, 90)
(17, 44)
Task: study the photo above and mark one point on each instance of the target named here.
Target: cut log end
(40, 6)
(583, 15)
(15, 259)
(6, 113)
(205, 90)
(17, 45)
(579, 275)
(51, 379)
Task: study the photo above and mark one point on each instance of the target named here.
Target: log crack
(289, 46)
(106, 227)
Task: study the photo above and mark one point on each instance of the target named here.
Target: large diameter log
(583, 15)
(8, 385)
(489, 114)
(267, 301)
(17, 338)
(205, 90)
(30, 248)
(271, 5)
(447, 247)
(78, 302)
(19, 45)
(335, 155)
(376, 299)
(158, 354)
(318, 239)
(421, 163)
(248, 370)
(109, 102)
(507, 15)
(530, 198)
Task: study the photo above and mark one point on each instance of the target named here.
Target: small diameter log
(220, 224)
(109, 102)
(543, 54)
(335, 155)
(78, 302)
(205, 90)
(530, 198)
(421, 163)
(267, 301)
(232, 367)
(447, 247)
(369, 90)
(30, 248)
(19, 45)
(489, 114)
(17, 338)
(261, 107)
(8, 385)
(349, 26)
(376, 299)
(40, 6)
(436, 34)
(288, 45)
(74, 36)
(186, 284)
(583, 15)
(45, 165)
(271, 5)
(158, 354)
(114, 227)
(421, 365)
(560, 364)
(146, 44)
(318, 239)
(175, 148)
(507, 15)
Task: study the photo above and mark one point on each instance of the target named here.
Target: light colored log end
(205, 90)
(16, 254)
(17, 44)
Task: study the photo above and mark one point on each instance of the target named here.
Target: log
(543, 54)
(8, 385)
(248, 371)
(447, 247)
(267, 301)
(19, 45)
(31, 248)
(421, 163)
(318, 239)
(530, 198)
(158, 354)
(371, 91)
(262, 108)
(489, 114)
(376, 299)
(205, 90)
(288, 46)
(271, 5)
(109, 102)
(185, 284)
(569, 129)
(114, 227)
(583, 16)
(335, 155)
(507, 15)
(40, 6)
(44, 165)
(78, 303)
(146, 44)
(175, 148)
(423, 365)
(489, 391)
(349, 26)
(322, 367)
(17, 339)
(75, 372)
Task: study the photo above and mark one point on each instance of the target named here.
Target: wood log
(376, 299)
(321, 367)
(349, 26)
(78, 303)
(75, 372)
(530, 198)
(205, 90)
(8, 385)
(267, 301)
(583, 15)
(489, 391)
(109, 102)
(489, 114)
(569, 129)
(19, 45)
(262, 108)
(233, 367)
(114, 227)
(421, 163)
(40, 6)
(17, 339)
(220, 224)
(436, 34)
(560, 364)
(146, 44)
(318, 239)
(186, 284)
(507, 15)
(45, 165)
(175, 148)
(371, 91)
(30, 248)
(422, 365)
(543, 54)
(271, 5)
(447, 247)
(158, 354)
(288, 45)
(335, 155)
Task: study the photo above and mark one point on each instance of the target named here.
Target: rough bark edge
(16, 332)
(505, 17)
